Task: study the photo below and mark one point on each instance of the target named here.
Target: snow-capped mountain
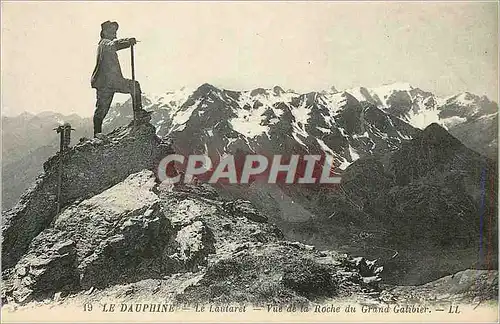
(469, 117)
(421, 108)
(274, 121)
(345, 124)
(403, 189)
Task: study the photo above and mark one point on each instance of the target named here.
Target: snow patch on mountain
(356, 136)
(421, 108)
(324, 130)
(334, 101)
(248, 122)
(384, 92)
(171, 100)
(252, 107)
(489, 116)
(379, 94)
(452, 121)
(354, 154)
(268, 98)
(246, 119)
(356, 93)
(423, 118)
(182, 116)
(465, 99)
(343, 162)
(301, 116)
(324, 147)
(301, 113)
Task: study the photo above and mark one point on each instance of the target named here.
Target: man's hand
(132, 41)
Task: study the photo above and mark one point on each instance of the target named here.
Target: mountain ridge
(261, 109)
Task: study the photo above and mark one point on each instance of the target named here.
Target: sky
(48, 48)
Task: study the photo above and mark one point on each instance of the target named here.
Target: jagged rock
(48, 267)
(129, 232)
(365, 268)
(259, 236)
(187, 212)
(244, 208)
(278, 90)
(198, 190)
(371, 280)
(109, 238)
(299, 245)
(259, 273)
(350, 116)
(361, 264)
(195, 243)
(351, 276)
(130, 255)
(465, 286)
(121, 230)
(174, 247)
(89, 168)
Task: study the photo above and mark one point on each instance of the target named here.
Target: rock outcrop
(110, 238)
(139, 230)
(89, 168)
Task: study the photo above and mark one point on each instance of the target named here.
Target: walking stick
(59, 182)
(133, 79)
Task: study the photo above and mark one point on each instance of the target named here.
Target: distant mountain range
(316, 117)
(350, 124)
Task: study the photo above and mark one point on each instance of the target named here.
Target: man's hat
(109, 24)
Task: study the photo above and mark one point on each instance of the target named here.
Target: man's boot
(97, 126)
(142, 116)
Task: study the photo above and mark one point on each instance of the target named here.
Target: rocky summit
(122, 234)
(90, 167)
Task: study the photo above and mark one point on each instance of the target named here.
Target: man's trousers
(105, 97)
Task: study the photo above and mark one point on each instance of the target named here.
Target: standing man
(107, 77)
